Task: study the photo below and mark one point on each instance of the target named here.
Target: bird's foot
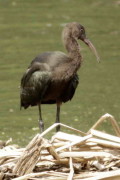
(41, 126)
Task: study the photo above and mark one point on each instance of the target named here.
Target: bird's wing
(36, 67)
(52, 59)
(34, 84)
(70, 89)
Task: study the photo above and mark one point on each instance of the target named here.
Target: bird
(51, 77)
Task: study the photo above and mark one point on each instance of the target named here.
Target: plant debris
(89, 156)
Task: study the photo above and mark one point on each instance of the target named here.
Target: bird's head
(77, 31)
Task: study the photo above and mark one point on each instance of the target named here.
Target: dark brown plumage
(52, 76)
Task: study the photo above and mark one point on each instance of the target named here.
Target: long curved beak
(92, 47)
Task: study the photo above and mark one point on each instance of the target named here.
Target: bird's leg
(41, 123)
(58, 116)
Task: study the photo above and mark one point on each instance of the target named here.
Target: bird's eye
(81, 30)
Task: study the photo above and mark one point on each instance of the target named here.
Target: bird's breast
(55, 90)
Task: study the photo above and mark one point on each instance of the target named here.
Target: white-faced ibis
(52, 77)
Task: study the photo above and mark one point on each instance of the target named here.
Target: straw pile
(89, 156)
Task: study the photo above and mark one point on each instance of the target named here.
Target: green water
(28, 28)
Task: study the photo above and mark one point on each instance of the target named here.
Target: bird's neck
(73, 49)
(68, 69)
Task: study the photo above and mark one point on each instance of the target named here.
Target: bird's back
(52, 59)
(37, 84)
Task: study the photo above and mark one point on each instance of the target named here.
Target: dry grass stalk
(73, 129)
(107, 176)
(109, 118)
(81, 140)
(63, 125)
(70, 176)
(104, 143)
(53, 152)
(111, 175)
(41, 174)
(105, 136)
(29, 158)
(59, 144)
(62, 136)
(86, 155)
(1, 175)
